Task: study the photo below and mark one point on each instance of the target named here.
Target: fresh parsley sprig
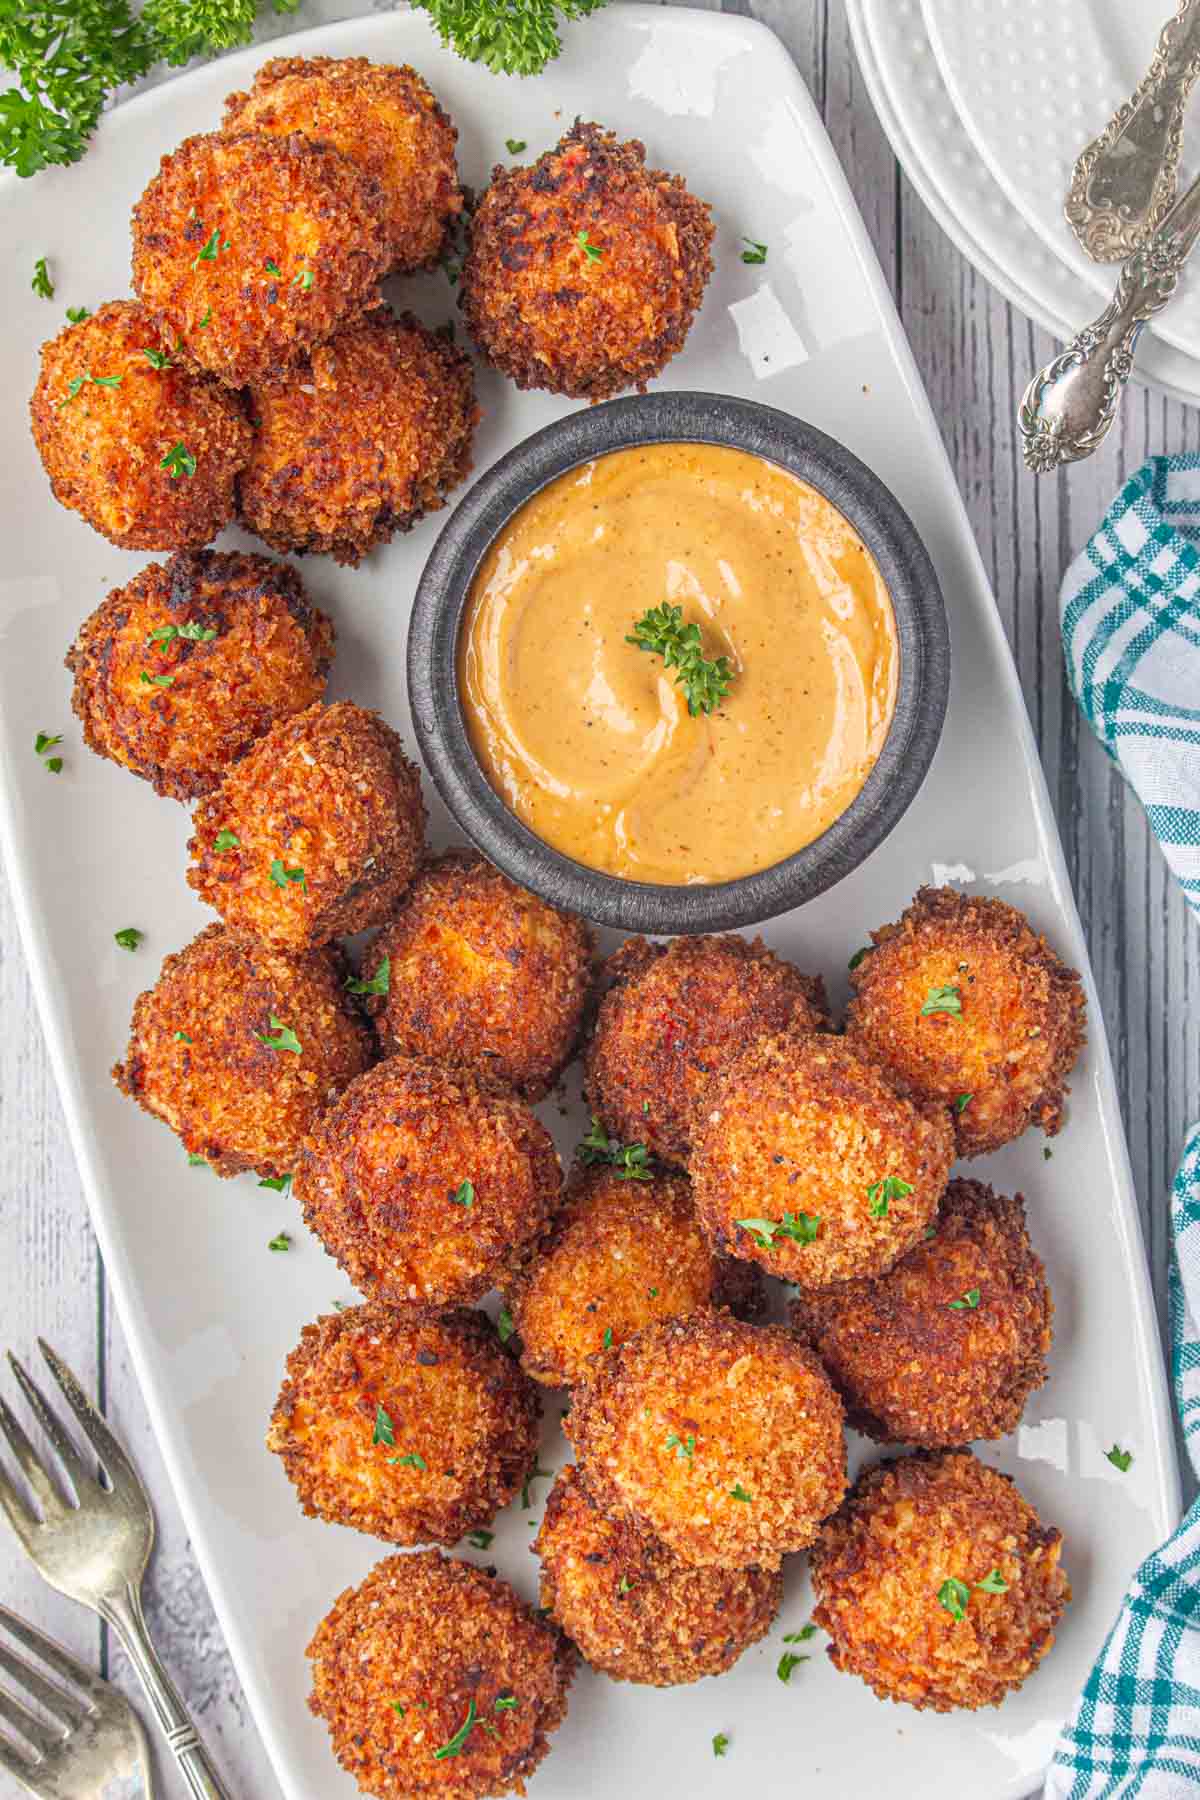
(662, 632)
(628, 1162)
(511, 37)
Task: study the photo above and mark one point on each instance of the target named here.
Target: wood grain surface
(975, 353)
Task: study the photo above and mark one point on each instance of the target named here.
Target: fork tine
(50, 1423)
(30, 1727)
(111, 1453)
(62, 1707)
(17, 1513)
(19, 1767)
(44, 1491)
(53, 1655)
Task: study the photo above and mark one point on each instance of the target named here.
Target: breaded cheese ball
(724, 1439)
(413, 1426)
(632, 1608)
(424, 1182)
(240, 1048)
(249, 249)
(618, 1255)
(179, 671)
(807, 1161)
(385, 119)
(585, 271)
(962, 1003)
(142, 448)
(481, 975)
(950, 1343)
(673, 1014)
(434, 1678)
(937, 1583)
(359, 440)
(315, 833)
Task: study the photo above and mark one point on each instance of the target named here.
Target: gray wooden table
(975, 354)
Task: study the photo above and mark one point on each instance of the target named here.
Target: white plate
(940, 159)
(209, 1312)
(1037, 80)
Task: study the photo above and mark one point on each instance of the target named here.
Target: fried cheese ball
(950, 1343)
(422, 1655)
(482, 975)
(361, 439)
(249, 249)
(143, 449)
(632, 1608)
(807, 1161)
(179, 671)
(385, 119)
(424, 1181)
(315, 833)
(413, 1426)
(937, 1583)
(672, 1015)
(240, 1048)
(962, 1003)
(585, 271)
(722, 1438)
(618, 1255)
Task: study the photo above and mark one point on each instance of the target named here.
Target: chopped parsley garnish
(608, 1337)
(44, 741)
(455, 1745)
(858, 956)
(272, 268)
(191, 630)
(992, 1583)
(1047, 1153)
(398, 1706)
(757, 253)
(514, 146)
(379, 983)
(482, 1540)
(178, 461)
(54, 764)
(158, 359)
(629, 1162)
(953, 1595)
(211, 250)
(962, 1103)
(942, 1000)
(535, 1474)
(789, 1661)
(73, 387)
(504, 1325)
(720, 1744)
(283, 877)
(106, 380)
(1120, 1459)
(196, 1162)
(77, 314)
(226, 840)
(129, 937)
(384, 1432)
(278, 1184)
(801, 1228)
(411, 1461)
(593, 252)
(204, 323)
(41, 283)
(738, 1492)
(506, 1703)
(661, 632)
(968, 1302)
(891, 1187)
(803, 1636)
(303, 280)
(684, 1448)
(463, 1195)
(281, 1241)
(78, 381)
(624, 1585)
(653, 1293)
(149, 680)
(285, 1038)
(181, 1037)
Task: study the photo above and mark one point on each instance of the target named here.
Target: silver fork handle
(124, 1613)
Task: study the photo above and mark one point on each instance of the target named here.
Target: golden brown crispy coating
(198, 1058)
(675, 1013)
(425, 1181)
(482, 975)
(808, 1161)
(359, 440)
(586, 270)
(413, 1426)
(179, 671)
(632, 1608)
(105, 418)
(690, 1416)
(329, 829)
(249, 249)
(617, 1255)
(951, 1342)
(1021, 1025)
(424, 1653)
(385, 119)
(909, 1527)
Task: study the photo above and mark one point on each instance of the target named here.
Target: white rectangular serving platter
(209, 1313)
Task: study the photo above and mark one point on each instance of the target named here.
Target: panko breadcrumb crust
(798, 1127)
(482, 975)
(632, 1609)
(381, 1175)
(423, 1645)
(671, 1016)
(453, 1399)
(249, 249)
(1022, 1024)
(179, 710)
(913, 1359)
(105, 418)
(907, 1527)
(197, 1059)
(691, 1409)
(384, 118)
(616, 1256)
(359, 439)
(585, 271)
(329, 796)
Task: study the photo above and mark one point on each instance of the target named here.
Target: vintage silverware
(96, 1550)
(1124, 182)
(95, 1749)
(1069, 406)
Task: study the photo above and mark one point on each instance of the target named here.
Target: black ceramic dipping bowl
(666, 417)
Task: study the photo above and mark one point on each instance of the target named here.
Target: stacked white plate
(987, 104)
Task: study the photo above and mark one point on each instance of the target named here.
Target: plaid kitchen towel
(1131, 628)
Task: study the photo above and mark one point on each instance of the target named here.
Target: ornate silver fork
(97, 1550)
(94, 1750)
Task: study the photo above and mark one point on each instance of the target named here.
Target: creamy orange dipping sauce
(589, 739)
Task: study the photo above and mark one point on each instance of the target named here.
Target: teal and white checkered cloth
(1131, 629)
